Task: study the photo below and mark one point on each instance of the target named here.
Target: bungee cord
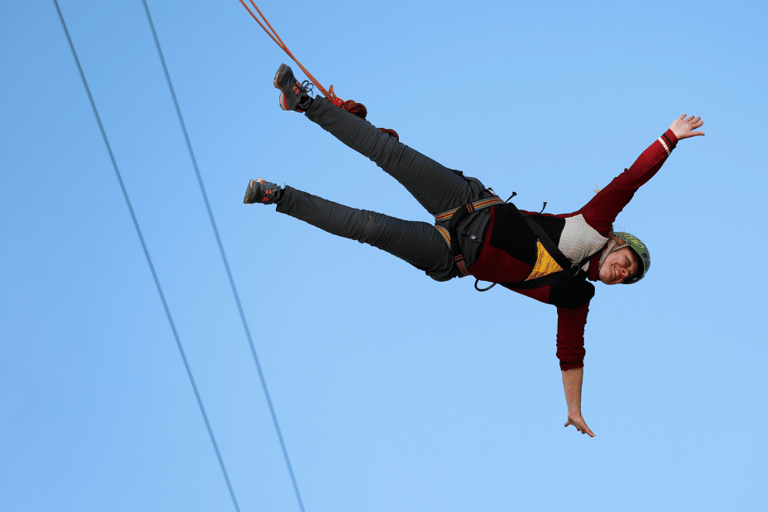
(272, 33)
(350, 106)
(149, 260)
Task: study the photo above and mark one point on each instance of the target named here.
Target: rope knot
(357, 109)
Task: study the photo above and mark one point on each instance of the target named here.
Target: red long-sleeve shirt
(510, 253)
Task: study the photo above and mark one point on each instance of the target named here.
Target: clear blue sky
(393, 392)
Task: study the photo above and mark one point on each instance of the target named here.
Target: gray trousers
(434, 186)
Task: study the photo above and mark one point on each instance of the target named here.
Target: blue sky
(393, 392)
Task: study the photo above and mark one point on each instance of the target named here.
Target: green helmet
(642, 253)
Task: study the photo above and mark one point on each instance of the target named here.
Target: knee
(388, 151)
(373, 228)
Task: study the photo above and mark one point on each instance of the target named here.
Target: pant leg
(434, 186)
(417, 243)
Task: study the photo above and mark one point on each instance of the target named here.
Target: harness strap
(456, 215)
(477, 205)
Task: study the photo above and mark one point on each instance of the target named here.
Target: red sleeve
(603, 209)
(570, 336)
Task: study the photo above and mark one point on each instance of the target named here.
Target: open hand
(578, 422)
(683, 127)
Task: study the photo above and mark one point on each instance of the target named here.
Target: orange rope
(352, 106)
(276, 38)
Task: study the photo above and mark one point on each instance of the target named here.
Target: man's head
(625, 260)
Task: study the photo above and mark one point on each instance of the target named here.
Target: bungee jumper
(550, 258)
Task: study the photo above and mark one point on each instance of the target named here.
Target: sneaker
(293, 95)
(261, 191)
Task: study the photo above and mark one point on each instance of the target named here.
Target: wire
(225, 260)
(149, 259)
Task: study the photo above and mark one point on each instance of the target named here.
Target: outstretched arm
(602, 210)
(572, 380)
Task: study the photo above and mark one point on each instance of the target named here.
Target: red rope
(351, 106)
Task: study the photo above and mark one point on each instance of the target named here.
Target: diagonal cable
(149, 259)
(224, 259)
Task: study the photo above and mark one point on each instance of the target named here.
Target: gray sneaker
(261, 191)
(293, 95)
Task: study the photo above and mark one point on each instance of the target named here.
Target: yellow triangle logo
(545, 264)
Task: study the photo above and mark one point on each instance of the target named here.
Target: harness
(456, 215)
(552, 266)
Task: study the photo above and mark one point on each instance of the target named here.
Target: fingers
(580, 426)
(584, 429)
(695, 122)
(692, 120)
(685, 126)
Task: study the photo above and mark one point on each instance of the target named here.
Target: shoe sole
(252, 185)
(276, 82)
(248, 195)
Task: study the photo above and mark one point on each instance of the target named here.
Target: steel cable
(149, 259)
